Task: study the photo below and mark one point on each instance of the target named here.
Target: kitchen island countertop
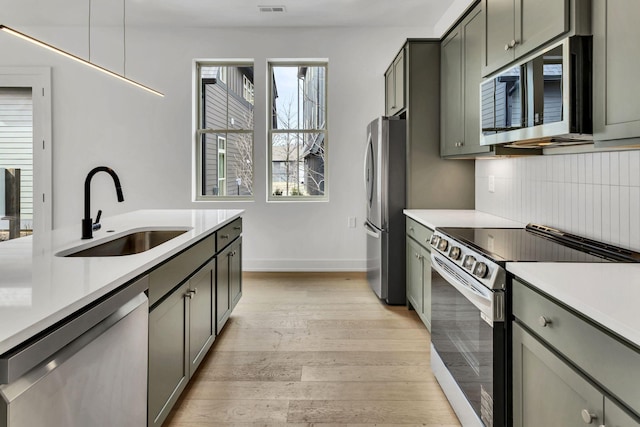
(433, 218)
(39, 288)
(608, 294)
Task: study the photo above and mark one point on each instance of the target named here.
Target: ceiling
(227, 13)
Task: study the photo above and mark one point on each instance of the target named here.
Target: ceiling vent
(272, 9)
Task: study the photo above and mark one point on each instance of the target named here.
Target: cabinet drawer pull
(587, 416)
(188, 295)
(237, 227)
(224, 236)
(544, 322)
(195, 291)
(411, 229)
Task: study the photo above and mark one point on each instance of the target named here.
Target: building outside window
(298, 131)
(224, 135)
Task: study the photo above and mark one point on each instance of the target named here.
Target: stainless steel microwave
(544, 100)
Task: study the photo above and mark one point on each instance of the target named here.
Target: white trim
(39, 79)
(307, 265)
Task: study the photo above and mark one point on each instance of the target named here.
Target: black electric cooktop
(537, 244)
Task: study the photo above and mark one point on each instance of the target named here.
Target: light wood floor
(315, 350)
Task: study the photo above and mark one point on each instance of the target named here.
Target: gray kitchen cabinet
(228, 281)
(202, 327)
(514, 28)
(168, 355)
(394, 86)
(568, 370)
(419, 270)
(616, 53)
(461, 54)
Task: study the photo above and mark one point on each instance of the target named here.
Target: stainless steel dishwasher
(89, 371)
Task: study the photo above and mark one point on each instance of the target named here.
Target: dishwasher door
(99, 379)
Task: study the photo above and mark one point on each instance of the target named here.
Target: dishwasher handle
(18, 362)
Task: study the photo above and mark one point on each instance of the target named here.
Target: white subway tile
(575, 207)
(566, 168)
(606, 212)
(614, 167)
(623, 159)
(606, 168)
(589, 209)
(588, 168)
(582, 209)
(582, 173)
(574, 167)
(624, 209)
(634, 168)
(555, 206)
(567, 202)
(597, 168)
(634, 218)
(614, 208)
(597, 212)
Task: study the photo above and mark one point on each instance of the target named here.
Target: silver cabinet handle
(237, 228)
(506, 47)
(587, 416)
(511, 44)
(411, 229)
(188, 295)
(544, 322)
(195, 291)
(224, 236)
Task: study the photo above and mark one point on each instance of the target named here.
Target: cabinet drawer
(228, 233)
(177, 269)
(419, 232)
(608, 360)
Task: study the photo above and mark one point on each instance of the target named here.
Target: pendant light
(76, 58)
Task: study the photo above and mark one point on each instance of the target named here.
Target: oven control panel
(473, 263)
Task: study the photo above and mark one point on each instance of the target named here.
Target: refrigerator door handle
(370, 231)
(368, 186)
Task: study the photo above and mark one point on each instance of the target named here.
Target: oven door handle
(482, 302)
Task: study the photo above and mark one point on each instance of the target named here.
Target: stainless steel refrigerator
(385, 183)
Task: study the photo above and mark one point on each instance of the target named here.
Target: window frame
(270, 131)
(199, 131)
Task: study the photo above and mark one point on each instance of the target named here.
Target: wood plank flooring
(315, 350)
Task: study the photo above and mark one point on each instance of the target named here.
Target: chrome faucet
(88, 226)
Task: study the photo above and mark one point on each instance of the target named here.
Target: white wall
(596, 195)
(148, 141)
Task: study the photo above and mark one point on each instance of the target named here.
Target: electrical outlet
(351, 222)
(492, 184)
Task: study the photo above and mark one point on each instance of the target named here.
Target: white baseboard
(287, 265)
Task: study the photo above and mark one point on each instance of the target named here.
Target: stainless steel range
(471, 308)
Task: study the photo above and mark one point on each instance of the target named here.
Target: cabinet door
(499, 33)
(546, 391)
(168, 363)
(414, 275)
(398, 76)
(616, 59)
(235, 272)
(223, 303)
(616, 417)
(201, 321)
(426, 288)
(451, 133)
(539, 21)
(389, 86)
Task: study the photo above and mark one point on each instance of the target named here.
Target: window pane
(300, 97)
(227, 105)
(297, 164)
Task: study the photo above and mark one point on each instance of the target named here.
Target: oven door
(468, 335)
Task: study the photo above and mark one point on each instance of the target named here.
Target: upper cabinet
(460, 94)
(514, 28)
(394, 85)
(616, 58)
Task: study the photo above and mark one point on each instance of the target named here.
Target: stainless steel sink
(129, 244)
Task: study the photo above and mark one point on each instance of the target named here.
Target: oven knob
(443, 244)
(454, 252)
(468, 262)
(480, 269)
(434, 240)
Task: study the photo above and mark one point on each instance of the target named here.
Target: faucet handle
(96, 225)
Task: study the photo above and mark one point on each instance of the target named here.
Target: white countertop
(433, 218)
(38, 288)
(606, 293)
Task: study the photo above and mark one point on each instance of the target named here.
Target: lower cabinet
(181, 331)
(566, 370)
(419, 270)
(229, 281)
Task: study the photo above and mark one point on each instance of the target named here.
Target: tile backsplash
(596, 195)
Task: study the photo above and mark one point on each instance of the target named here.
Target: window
(298, 130)
(224, 134)
(247, 89)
